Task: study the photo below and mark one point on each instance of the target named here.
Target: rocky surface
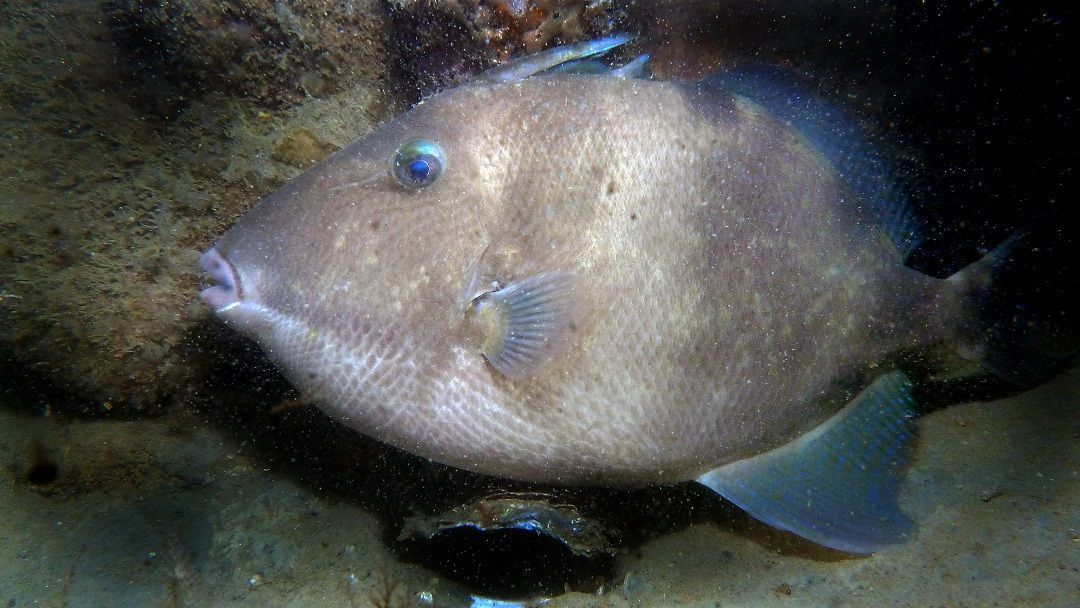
(171, 511)
(105, 205)
(274, 53)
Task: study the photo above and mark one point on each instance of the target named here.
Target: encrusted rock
(275, 52)
(439, 44)
(301, 149)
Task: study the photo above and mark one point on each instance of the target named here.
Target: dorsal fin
(635, 68)
(858, 155)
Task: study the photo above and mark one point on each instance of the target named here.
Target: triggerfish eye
(418, 163)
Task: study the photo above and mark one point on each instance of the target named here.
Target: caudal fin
(1019, 320)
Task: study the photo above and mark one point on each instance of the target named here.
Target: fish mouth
(226, 293)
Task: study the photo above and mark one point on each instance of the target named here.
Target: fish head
(360, 277)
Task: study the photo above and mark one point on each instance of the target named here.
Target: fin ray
(525, 324)
(636, 68)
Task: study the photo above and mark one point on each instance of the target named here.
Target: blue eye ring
(418, 163)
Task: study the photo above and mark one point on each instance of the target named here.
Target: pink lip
(227, 290)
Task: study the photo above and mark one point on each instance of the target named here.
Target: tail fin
(1019, 316)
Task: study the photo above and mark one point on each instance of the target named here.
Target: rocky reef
(275, 53)
(118, 172)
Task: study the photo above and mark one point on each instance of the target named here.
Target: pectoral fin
(837, 485)
(526, 324)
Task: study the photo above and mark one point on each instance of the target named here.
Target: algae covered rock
(273, 52)
(105, 204)
(440, 44)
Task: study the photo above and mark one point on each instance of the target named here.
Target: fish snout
(226, 292)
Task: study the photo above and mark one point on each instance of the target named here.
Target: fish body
(700, 284)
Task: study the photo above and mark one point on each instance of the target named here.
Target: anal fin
(839, 484)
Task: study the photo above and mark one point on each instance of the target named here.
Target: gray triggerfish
(569, 277)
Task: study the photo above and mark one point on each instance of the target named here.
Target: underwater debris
(529, 512)
(513, 545)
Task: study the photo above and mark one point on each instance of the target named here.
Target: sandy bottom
(171, 512)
